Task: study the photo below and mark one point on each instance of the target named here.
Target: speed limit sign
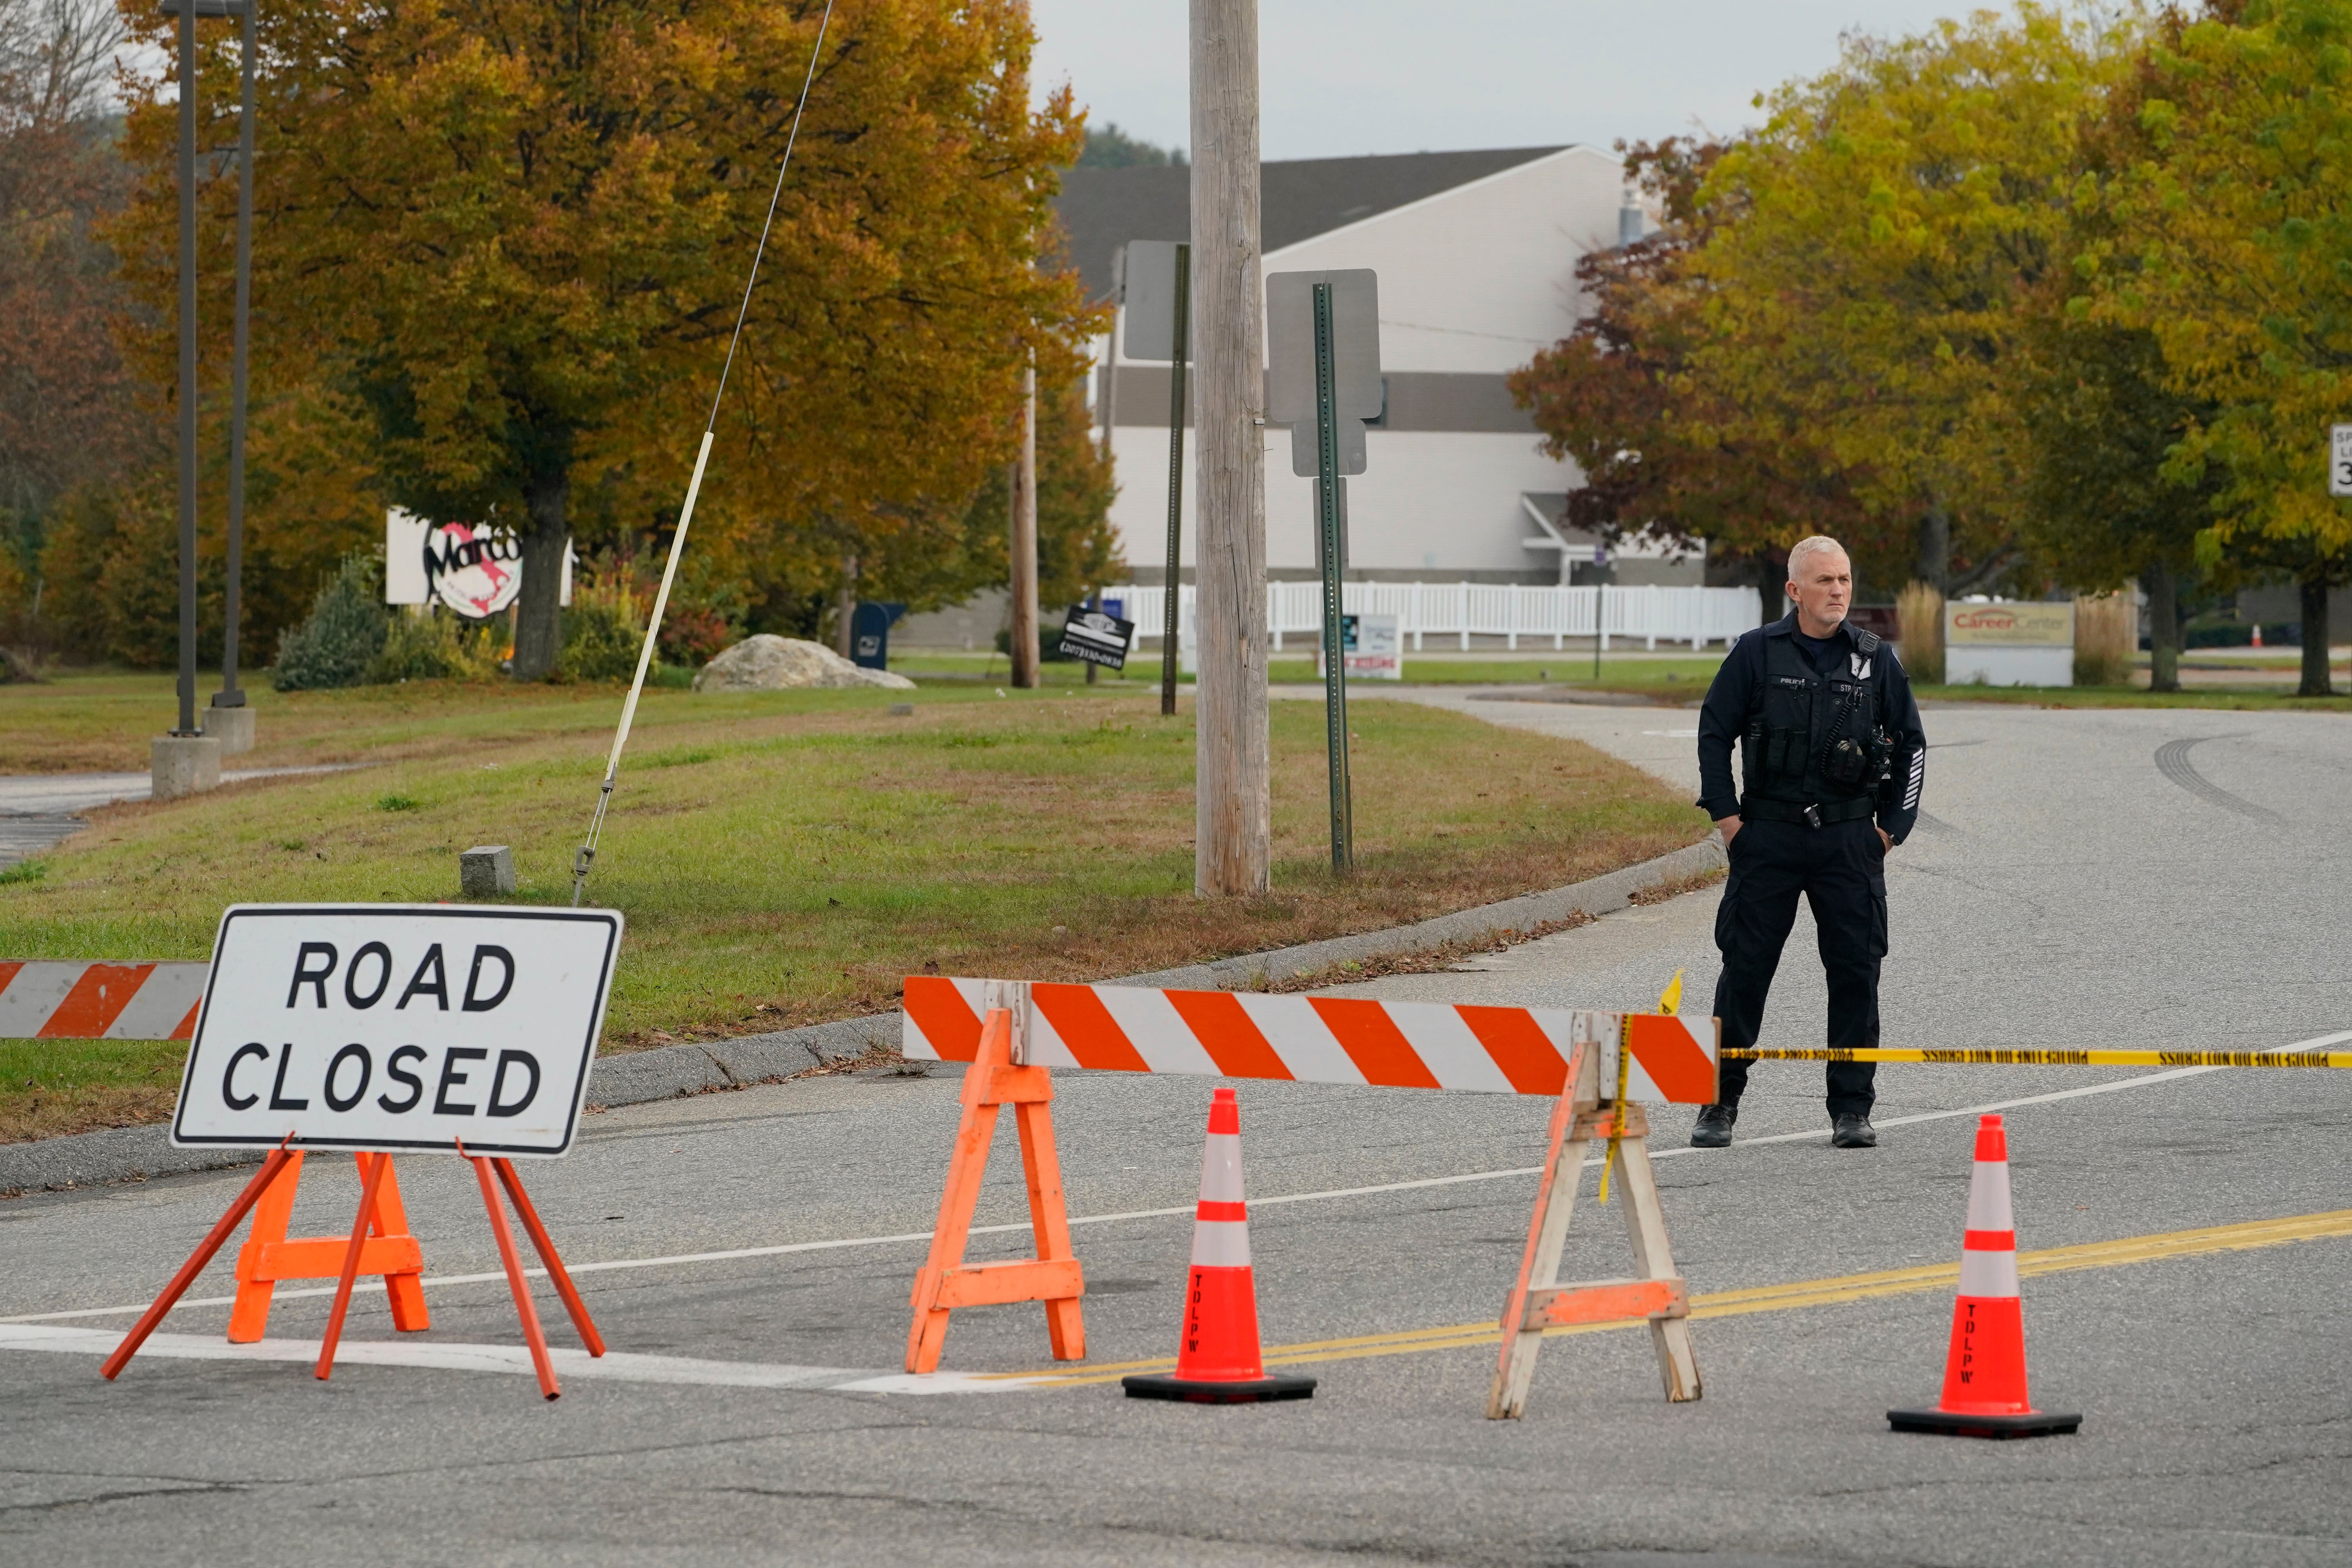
(2339, 459)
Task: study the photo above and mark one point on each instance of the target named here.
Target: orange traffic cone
(1984, 1373)
(1218, 1360)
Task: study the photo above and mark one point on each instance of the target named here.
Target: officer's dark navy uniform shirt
(1733, 697)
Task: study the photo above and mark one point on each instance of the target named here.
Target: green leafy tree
(1108, 147)
(2103, 423)
(1862, 285)
(2233, 247)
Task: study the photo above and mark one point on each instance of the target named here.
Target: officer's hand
(1729, 827)
(1886, 843)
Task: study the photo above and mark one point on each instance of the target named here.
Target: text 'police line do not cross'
(394, 1027)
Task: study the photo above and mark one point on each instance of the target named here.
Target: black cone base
(1165, 1385)
(1954, 1423)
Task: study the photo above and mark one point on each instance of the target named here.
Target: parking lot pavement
(2074, 891)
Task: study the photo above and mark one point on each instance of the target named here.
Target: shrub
(603, 631)
(346, 630)
(1920, 623)
(437, 645)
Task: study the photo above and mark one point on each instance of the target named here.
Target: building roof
(1297, 199)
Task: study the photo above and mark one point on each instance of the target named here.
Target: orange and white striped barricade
(1357, 1040)
(383, 1029)
(42, 999)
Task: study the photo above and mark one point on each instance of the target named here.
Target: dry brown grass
(1919, 616)
(49, 1087)
(2106, 639)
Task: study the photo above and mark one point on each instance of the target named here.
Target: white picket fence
(1651, 615)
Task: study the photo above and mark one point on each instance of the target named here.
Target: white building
(1477, 254)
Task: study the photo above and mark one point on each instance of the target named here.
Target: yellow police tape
(2033, 1058)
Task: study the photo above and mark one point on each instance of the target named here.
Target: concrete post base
(233, 727)
(184, 764)
(486, 871)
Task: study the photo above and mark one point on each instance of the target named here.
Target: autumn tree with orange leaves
(515, 233)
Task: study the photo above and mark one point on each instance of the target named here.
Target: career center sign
(391, 1026)
(475, 568)
(2018, 625)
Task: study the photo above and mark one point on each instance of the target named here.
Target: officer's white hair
(1805, 549)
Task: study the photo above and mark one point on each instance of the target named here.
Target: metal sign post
(1599, 603)
(1324, 382)
(1156, 283)
(1327, 506)
(1182, 343)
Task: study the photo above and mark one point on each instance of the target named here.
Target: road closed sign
(391, 1026)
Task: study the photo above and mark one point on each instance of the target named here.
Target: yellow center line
(1828, 1292)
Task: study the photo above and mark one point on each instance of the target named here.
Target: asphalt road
(2128, 878)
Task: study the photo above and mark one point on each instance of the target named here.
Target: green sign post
(1323, 379)
(1327, 505)
(1181, 343)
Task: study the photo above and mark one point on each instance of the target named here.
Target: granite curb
(664, 1072)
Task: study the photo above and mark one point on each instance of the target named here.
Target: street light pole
(187, 724)
(229, 696)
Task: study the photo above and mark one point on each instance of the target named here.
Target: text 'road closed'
(398, 1026)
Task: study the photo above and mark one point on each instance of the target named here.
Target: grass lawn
(787, 857)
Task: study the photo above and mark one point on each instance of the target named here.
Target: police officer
(1833, 758)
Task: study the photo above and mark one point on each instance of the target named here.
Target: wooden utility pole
(1024, 538)
(1233, 830)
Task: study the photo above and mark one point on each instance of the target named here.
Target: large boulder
(769, 663)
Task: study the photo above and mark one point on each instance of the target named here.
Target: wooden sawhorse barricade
(380, 1243)
(1538, 1300)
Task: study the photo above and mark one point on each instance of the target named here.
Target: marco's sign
(474, 568)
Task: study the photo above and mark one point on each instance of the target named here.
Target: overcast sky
(1345, 77)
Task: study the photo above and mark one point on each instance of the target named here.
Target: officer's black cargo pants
(1842, 870)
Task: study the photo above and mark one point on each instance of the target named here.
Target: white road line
(617, 1366)
(681, 1259)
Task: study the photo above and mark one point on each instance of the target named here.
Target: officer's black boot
(1851, 1130)
(1713, 1129)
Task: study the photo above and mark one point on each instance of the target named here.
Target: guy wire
(587, 856)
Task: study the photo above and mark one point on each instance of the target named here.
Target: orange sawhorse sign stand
(270, 1255)
(391, 1250)
(1053, 1276)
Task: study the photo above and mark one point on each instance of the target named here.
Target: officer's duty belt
(1816, 816)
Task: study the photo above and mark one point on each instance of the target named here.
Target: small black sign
(1096, 636)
